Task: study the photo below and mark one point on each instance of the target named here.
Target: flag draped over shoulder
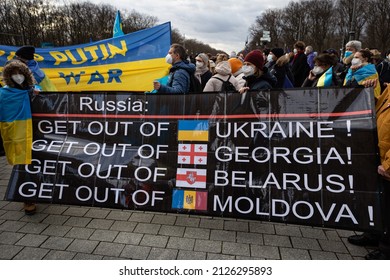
(366, 72)
(117, 26)
(16, 125)
(126, 63)
(326, 79)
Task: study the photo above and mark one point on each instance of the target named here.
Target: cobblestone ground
(62, 232)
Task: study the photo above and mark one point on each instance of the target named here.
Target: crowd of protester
(274, 68)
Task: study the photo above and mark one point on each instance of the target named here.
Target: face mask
(295, 51)
(168, 59)
(270, 58)
(248, 70)
(356, 62)
(317, 70)
(199, 64)
(347, 53)
(18, 78)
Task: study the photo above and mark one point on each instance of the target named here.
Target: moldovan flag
(191, 178)
(193, 200)
(16, 125)
(192, 154)
(193, 130)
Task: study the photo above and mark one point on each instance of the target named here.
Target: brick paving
(62, 232)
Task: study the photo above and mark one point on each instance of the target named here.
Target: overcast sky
(222, 24)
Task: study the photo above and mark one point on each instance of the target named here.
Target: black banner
(304, 156)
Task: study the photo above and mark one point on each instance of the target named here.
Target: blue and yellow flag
(366, 72)
(326, 79)
(16, 125)
(129, 63)
(193, 130)
(117, 26)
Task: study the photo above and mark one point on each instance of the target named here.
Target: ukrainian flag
(326, 79)
(367, 72)
(16, 125)
(193, 130)
(118, 26)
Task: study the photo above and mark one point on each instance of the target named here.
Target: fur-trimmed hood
(17, 67)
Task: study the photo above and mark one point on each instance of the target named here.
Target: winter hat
(278, 52)
(204, 57)
(26, 52)
(256, 58)
(235, 64)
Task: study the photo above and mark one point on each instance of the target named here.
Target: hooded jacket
(14, 67)
(179, 78)
(223, 71)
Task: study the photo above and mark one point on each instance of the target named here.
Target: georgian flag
(191, 178)
(192, 154)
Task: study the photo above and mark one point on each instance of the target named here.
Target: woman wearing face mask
(322, 75)
(15, 113)
(256, 75)
(202, 71)
(362, 70)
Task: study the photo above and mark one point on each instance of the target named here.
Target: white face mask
(18, 78)
(295, 51)
(248, 70)
(270, 58)
(199, 64)
(169, 59)
(317, 70)
(356, 62)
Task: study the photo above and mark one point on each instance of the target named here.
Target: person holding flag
(322, 75)
(15, 116)
(362, 70)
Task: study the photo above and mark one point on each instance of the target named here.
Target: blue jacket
(179, 78)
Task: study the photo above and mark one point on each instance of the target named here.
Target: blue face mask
(347, 53)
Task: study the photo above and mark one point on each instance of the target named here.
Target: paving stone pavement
(62, 232)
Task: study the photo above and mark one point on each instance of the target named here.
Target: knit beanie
(235, 64)
(278, 52)
(204, 57)
(26, 52)
(256, 58)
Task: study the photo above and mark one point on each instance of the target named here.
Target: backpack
(227, 86)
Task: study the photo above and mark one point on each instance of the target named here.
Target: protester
(236, 66)
(383, 70)
(179, 74)
(376, 57)
(19, 82)
(350, 49)
(25, 54)
(362, 70)
(202, 69)
(280, 68)
(221, 57)
(223, 73)
(338, 67)
(299, 67)
(309, 52)
(211, 63)
(256, 75)
(322, 75)
(381, 240)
